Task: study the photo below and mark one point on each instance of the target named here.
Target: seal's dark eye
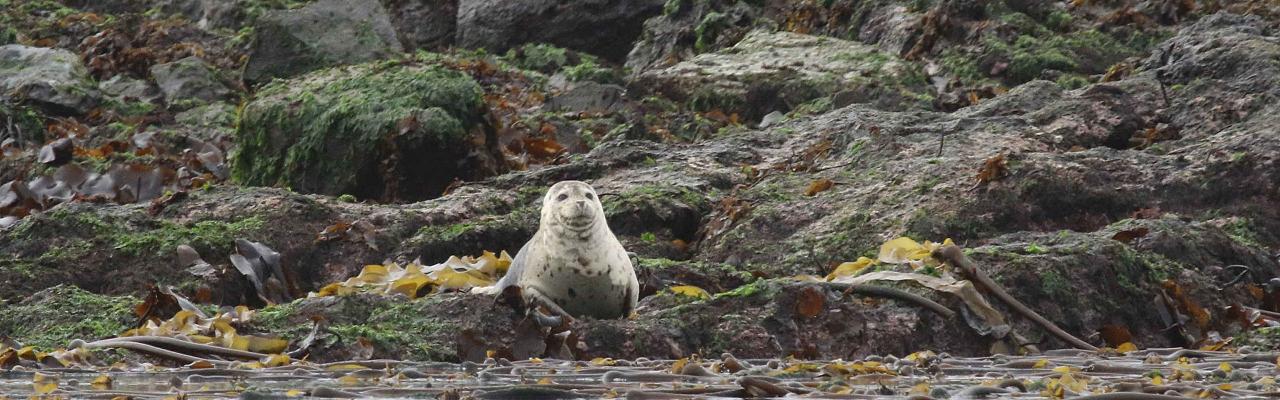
(561, 197)
(589, 196)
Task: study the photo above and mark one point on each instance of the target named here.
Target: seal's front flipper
(545, 321)
(537, 300)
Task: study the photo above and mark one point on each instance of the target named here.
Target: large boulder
(324, 33)
(768, 71)
(53, 79)
(372, 130)
(424, 24)
(188, 81)
(686, 28)
(602, 27)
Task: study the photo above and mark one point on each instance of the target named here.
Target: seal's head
(572, 206)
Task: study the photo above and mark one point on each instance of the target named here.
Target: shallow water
(1069, 373)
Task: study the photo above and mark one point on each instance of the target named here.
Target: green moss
(651, 197)
(672, 6)
(1241, 229)
(540, 57)
(706, 268)
(1133, 267)
(748, 290)
(1054, 284)
(203, 235)
(919, 5)
(1072, 81)
(63, 313)
(447, 232)
(962, 65)
(1034, 249)
(926, 185)
(1260, 338)
(319, 131)
(1059, 20)
(36, 18)
(549, 59)
(590, 70)
(708, 98)
(708, 30)
(275, 317)
(8, 35)
(406, 329)
(813, 107)
(132, 108)
(1030, 54)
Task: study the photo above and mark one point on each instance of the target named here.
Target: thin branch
(954, 256)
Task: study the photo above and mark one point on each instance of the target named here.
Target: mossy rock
(55, 316)
(745, 79)
(376, 130)
(509, 222)
(1040, 47)
(423, 329)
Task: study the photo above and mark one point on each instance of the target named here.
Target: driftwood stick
(891, 293)
(183, 345)
(155, 351)
(954, 256)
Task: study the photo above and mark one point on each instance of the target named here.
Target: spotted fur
(574, 260)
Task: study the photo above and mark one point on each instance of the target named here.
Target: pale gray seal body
(574, 260)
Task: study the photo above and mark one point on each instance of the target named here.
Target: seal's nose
(582, 204)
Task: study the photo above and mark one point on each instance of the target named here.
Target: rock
(209, 115)
(324, 33)
(1224, 58)
(219, 14)
(211, 123)
(124, 88)
(770, 119)
(53, 79)
(424, 24)
(419, 24)
(689, 27)
(761, 320)
(188, 81)
(589, 97)
(602, 27)
(370, 130)
(891, 27)
(769, 71)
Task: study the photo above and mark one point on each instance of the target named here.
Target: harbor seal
(574, 261)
